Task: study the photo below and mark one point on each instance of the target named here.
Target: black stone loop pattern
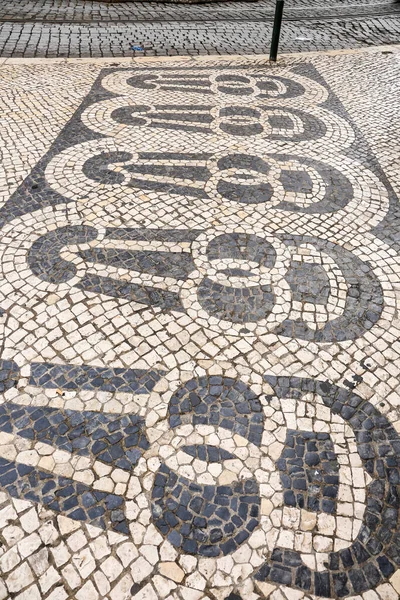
(238, 304)
(235, 120)
(219, 401)
(375, 554)
(206, 520)
(308, 282)
(215, 520)
(46, 263)
(338, 188)
(234, 85)
(44, 255)
(210, 520)
(364, 299)
(309, 471)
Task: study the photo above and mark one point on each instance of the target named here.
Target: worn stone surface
(199, 391)
(42, 28)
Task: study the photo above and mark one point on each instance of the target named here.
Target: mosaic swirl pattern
(194, 304)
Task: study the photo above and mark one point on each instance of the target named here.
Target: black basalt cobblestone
(86, 377)
(309, 471)
(75, 500)
(116, 440)
(9, 375)
(219, 401)
(375, 554)
(203, 519)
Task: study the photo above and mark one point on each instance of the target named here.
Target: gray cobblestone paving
(75, 28)
(81, 12)
(205, 37)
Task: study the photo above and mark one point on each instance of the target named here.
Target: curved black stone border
(375, 554)
(221, 401)
(210, 520)
(364, 300)
(363, 303)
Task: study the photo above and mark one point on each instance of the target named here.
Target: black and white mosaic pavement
(198, 375)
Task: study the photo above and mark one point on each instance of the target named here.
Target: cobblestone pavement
(199, 286)
(75, 28)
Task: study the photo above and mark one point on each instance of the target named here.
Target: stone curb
(254, 58)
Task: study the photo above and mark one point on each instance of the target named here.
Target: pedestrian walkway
(199, 369)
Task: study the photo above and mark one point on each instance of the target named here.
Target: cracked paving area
(200, 356)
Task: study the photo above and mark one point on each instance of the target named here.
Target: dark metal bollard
(276, 30)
